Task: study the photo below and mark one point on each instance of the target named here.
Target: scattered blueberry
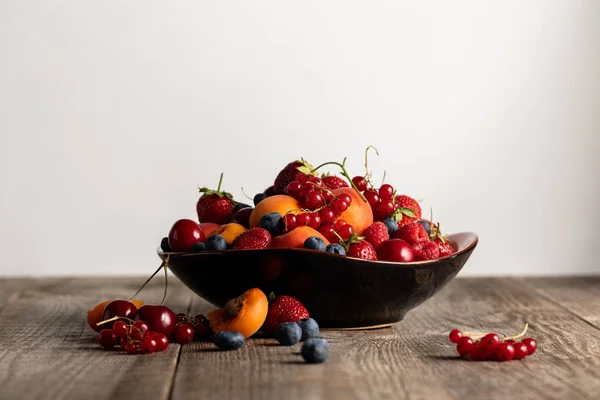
(335, 249)
(273, 222)
(216, 243)
(164, 245)
(426, 225)
(315, 350)
(239, 206)
(391, 225)
(259, 197)
(315, 243)
(288, 333)
(310, 328)
(227, 340)
(198, 247)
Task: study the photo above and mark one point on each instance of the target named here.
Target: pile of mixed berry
(304, 208)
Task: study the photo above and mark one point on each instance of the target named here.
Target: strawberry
(361, 249)
(426, 250)
(412, 233)
(407, 210)
(255, 238)
(283, 309)
(445, 247)
(334, 182)
(289, 172)
(215, 205)
(376, 234)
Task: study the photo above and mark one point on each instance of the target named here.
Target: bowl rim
(471, 245)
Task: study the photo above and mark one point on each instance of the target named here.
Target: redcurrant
(360, 182)
(328, 232)
(302, 177)
(315, 180)
(345, 231)
(521, 350)
(293, 189)
(289, 222)
(339, 206)
(490, 341)
(303, 219)
(531, 345)
(313, 199)
(162, 342)
(464, 346)
(505, 352)
(327, 196)
(315, 221)
(386, 191)
(372, 197)
(327, 216)
(346, 197)
(455, 335)
(120, 328)
(107, 338)
(184, 333)
(383, 209)
(148, 344)
(339, 223)
(130, 347)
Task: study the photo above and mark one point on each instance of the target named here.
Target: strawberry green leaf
(306, 167)
(409, 212)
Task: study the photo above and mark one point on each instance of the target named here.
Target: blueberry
(216, 243)
(226, 340)
(315, 350)
(391, 225)
(239, 206)
(335, 249)
(164, 245)
(273, 222)
(310, 328)
(198, 247)
(288, 333)
(315, 243)
(259, 197)
(426, 225)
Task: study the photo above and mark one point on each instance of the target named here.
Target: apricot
(95, 315)
(229, 231)
(294, 239)
(244, 314)
(280, 203)
(208, 227)
(359, 214)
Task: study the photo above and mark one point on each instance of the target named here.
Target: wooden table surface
(47, 351)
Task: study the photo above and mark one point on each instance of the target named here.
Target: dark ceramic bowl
(338, 291)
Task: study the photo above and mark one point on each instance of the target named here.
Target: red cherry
(293, 189)
(372, 197)
(303, 219)
(159, 318)
(315, 221)
(118, 308)
(184, 333)
(339, 223)
(345, 231)
(148, 344)
(327, 216)
(521, 350)
(464, 346)
(386, 192)
(162, 341)
(339, 206)
(383, 210)
(242, 216)
(455, 335)
(531, 345)
(289, 222)
(107, 338)
(184, 233)
(360, 182)
(120, 328)
(505, 352)
(313, 200)
(345, 197)
(395, 250)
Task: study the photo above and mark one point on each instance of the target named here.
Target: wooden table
(47, 351)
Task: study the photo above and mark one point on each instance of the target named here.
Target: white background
(112, 113)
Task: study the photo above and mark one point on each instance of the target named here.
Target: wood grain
(11, 288)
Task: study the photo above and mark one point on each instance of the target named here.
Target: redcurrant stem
(367, 173)
(345, 173)
(163, 264)
(166, 285)
(114, 319)
(383, 181)
(220, 181)
(519, 335)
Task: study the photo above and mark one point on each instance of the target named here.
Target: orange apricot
(244, 314)
(229, 231)
(208, 228)
(359, 214)
(294, 239)
(280, 203)
(95, 315)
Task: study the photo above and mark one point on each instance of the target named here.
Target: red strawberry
(283, 309)
(411, 233)
(255, 238)
(376, 234)
(361, 249)
(426, 250)
(407, 210)
(215, 205)
(334, 182)
(289, 172)
(445, 247)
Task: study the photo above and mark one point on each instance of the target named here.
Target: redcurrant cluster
(321, 208)
(382, 200)
(490, 347)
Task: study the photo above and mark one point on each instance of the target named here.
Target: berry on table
(335, 248)
(315, 350)
(138, 330)
(455, 335)
(148, 344)
(107, 338)
(490, 342)
(198, 247)
(227, 340)
(490, 346)
(282, 309)
(288, 333)
(162, 342)
(130, 347)
(521, 350)
(216, 243)
(184, 333)
(201, 326)
(272, 222)
(120, 329)
(464, 346)
(505, 352)
(531, 345)
(309, 327)
(315, 243)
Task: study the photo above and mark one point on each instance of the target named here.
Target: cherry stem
(114, 319)
(220, 181)
(162, 265)
(345, 173)
(248, 197)
(166, 285)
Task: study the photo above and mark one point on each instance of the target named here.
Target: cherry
(345, 231)
(315, 221)
(386, 192)
(339, 223)
(130, 347)
(505, 352)
(313, 199)
(184, 233)
(455, 335)
(120, 328)
(159, 318)
(395, 250)
(184, 333)
(465, 346)
(289, 222)
(162, 342)
(107, 338)
(345, 197)
(118, 308)
(531, 345)
(242, 216)
(360, 182)
(521, 350)
(202, 329)
(293, 189)
(148, 344)
(383, 210)
(303, 219)
(339, 206)
(490, 342)
(372, 197)
(327, 216)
